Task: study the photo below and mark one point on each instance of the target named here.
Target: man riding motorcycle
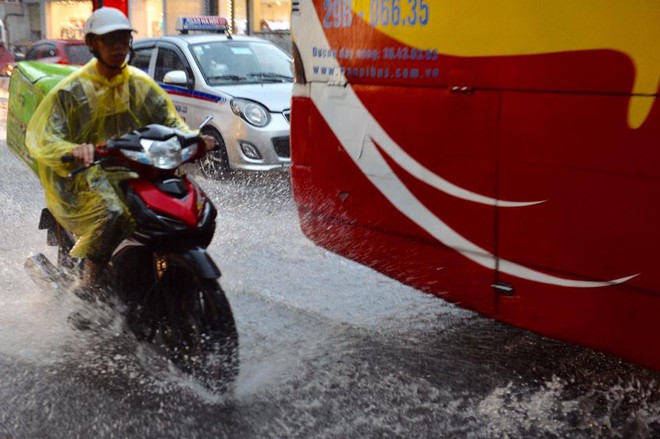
(104, 99)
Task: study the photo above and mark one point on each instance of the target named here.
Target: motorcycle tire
(187, 317)
(200, 334)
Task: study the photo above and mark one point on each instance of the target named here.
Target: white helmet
(105, 20)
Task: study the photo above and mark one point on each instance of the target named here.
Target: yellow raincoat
(86, 107)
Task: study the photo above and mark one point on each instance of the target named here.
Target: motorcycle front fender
(196, 260)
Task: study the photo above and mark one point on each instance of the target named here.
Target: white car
(244, 83)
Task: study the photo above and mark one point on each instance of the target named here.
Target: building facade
(26, 21)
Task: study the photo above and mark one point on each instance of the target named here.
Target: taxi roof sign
(201, 23)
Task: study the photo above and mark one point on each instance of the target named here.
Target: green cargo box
(29, 83)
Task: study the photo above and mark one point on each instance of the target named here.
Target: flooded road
(329, 349)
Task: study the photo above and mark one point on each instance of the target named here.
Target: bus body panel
(505, 160)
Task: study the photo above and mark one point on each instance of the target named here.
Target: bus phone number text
(396, 13)
(387, 53)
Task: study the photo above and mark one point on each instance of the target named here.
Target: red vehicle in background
(59, 52)
(6, 61)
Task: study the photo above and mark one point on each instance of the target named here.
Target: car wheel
(215, 164)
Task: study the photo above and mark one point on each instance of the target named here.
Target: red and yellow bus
(504, 156)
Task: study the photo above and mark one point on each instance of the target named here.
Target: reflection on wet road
(329, 349)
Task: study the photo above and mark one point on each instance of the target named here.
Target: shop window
(180, 8)
(239, 18)
(272, 16)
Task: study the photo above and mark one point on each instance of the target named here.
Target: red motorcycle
(162, 274)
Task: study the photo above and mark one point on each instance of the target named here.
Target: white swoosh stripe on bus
(347, 123)
(419, 171)
(369, 126)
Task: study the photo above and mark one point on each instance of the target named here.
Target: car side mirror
(176, 77)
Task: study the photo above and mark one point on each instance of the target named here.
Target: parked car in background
(59, 52)
(244, 83)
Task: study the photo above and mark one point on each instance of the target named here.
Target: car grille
(287, 115)
(281, 145)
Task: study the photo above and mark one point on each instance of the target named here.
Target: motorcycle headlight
(138, 156)
(160, 154)
(167, 154)
(252, 112)
(164, 154)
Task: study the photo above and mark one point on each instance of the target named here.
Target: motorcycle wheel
(199, 332)
(186, 317)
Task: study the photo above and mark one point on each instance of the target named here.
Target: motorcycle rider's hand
(84, 153)
(209, 142)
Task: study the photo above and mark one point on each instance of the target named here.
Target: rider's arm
(161, 110)
(47, 136)
(151, 104)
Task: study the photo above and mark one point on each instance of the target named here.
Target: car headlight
(252, 112)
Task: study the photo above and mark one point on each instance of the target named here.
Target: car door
(143, 57)
(32, 52)
(44, 52)
(169, 58)
(50, 53)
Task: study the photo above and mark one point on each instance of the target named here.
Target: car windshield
(78, 53)
(231, 62)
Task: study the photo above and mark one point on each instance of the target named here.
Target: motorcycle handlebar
(69, 158)
(131, 141)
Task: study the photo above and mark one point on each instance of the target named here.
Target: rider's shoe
(87, 294)
(94, 313)
(92, 289)
(93, 273)
(94, 283)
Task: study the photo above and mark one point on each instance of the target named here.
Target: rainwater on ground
(328, 348)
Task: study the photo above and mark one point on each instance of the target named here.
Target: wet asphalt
(329, 349)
